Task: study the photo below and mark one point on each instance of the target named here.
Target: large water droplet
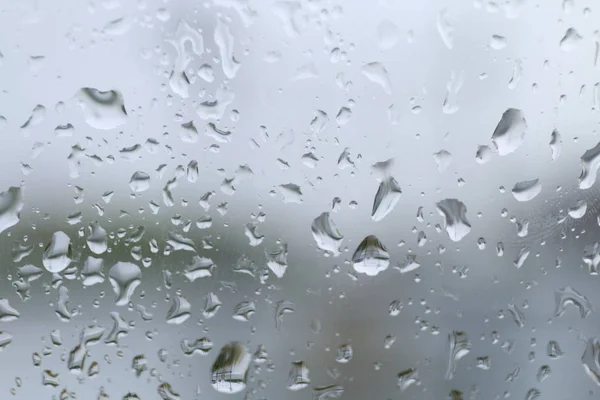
(277, 260)
(11, 204)
(459, 346)
(571, 39)
(124, 278)
(526, 190)
(102, 110)
(376, 73)
(387, 196)
(230, 369)
(97, 239)
(510, 131)
(590, 161)
(455, 218)
(58, 253)
(298, 376)
(567, 296)
(371, 256)
(326, 234)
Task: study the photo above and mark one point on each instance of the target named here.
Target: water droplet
(298, 376)
(326, 234)
(291, 193)
(277, 260)
(139, 182)
(571, 39)
(244, 310)
(97, 239)
(5, 340)
(452, 88)
(590, 161)
(202, 346)
(211, 305)
(459, 346)
(543, 373)
(179, 311)
(230, 369)
(578, 210)
(510, 132)
(497, 42)
(569, 296)
(11, 204)
(483, 155)
(555, 144)
(443, 159)
(7, 312)
(328, 392)
(58, 253)
(371, 257)
(455, 218)
(344, 354)
(526, 190)
(554, 350)
(201, 267)
(517, 315)
(376, 73)
(124, 278)
(225, 41)
(445, 29)
(166, 392)
(102, 110)
(387, 196)
(407, 378)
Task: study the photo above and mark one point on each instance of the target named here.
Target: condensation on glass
(299, 199)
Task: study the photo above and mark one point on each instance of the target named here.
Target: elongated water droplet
(326, 234)
(590, 161)
(387, 196)
(11, 204)
(459, 346)
(555, 144)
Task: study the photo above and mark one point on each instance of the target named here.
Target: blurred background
(186, 149)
